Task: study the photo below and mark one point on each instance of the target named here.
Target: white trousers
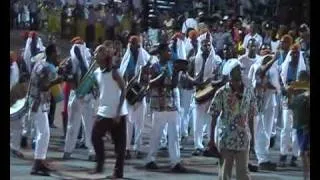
(265, 122)
(135, 120)
(201, 121)
(164, 137)
(160, 119)
(288, 136)
(42, 136)
(79, 110)
(185, 102)
(15, 133)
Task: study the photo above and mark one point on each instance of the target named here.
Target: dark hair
(50, 50)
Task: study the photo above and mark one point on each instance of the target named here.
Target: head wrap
(229, 66)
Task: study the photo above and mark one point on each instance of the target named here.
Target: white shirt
(189, 23)
(246, 65)
(257, 37)
(110, 93)
(275, 45)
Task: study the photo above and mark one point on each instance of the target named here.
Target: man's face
(166, 53)
(134, 47)
(294, 56)
(227, 51)
(252, 47)
(206, 46)
(235, 74)
(285, 44)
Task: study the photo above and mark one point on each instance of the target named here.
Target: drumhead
(16, 107)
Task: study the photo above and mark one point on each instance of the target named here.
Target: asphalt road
(77, 168)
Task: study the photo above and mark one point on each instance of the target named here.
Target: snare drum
(57, 93)
(18, 109)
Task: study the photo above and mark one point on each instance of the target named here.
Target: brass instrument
(87, 82)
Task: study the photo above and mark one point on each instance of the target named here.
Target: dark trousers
(90, 35)
(52, 111)
(118, 133)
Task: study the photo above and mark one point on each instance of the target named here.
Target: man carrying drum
(79, 108)
(134, 59)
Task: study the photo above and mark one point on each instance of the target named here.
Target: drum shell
(57, 93)
(135, 93)
(201, 97)
(86, 85)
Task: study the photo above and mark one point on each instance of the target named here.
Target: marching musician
(80, 109)
(15, 125)
(134, 59)
(290, 69)
(206, 67)
(163, 104)
(112, 111)
(186, 86)
(42, 78)
(267, 86)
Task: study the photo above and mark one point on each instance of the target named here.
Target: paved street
(198, 167)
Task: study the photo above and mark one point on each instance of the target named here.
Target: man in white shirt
(252, 29)
(190, 22)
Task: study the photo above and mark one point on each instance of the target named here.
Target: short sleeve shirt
(235, 133)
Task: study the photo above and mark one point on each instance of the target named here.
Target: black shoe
(252, 168)
(163, 148)
(39, 169)
(197, 152)
(293, 162)
(17, 154)
(213, 152)
(269, 166)
(128, 154)
(53, 126)
(283, 160)
(24, 142)
(66, 156)
(272, 141)
(179, 168)
(140, 155)
(151, 165)
(181, 148)
(92, 157)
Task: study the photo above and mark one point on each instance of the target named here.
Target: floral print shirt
(234, 133)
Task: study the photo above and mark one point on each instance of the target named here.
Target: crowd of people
(228, 81)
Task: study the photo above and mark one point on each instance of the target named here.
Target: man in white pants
(186, 87)
(42, 78)
(80, 109)
(15, 124)
(163, 97)
(134, 59)
(206, 67)
(290, 69)
(266, 99)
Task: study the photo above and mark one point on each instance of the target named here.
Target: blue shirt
(131, 67)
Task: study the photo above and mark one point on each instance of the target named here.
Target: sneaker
(151, 165)
(66, 156)
(253, 168)
(293, 162)
(179, 168)
(197, 152)
(269, 166)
